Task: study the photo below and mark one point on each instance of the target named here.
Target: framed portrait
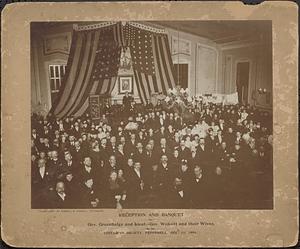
(125, 84)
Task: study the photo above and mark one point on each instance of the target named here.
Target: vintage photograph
(151, 114)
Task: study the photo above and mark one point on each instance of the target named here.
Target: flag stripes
(85, 104)
(71, 76)
(119, 35)
(95, 59)
(87, 79)
(69, 67)
(79, 88)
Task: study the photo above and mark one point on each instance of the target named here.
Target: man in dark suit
(211, 140)
(110, 166)
(139, 155)
(229, 137)
(130, 146)
(88, 179)
(103, 149)
(219, 188)
(197, 189)
(120, 156)
(184, 152)
(167, 173)
(150, 156)
(153, 184)
(45, 146)
(184, 172)
(204, 152)
(160, 134)
(149, 106)
(127, 99)
(59, 198)
(222, 152)
(112, 146)
(219, 137)
(194, 157)
(177, 197)
(162, 148)
(222, 126)
(35, 137)
(76, 130)
(43, 180)
(76, 152)
(56, 163)
(177, 121)
(69, 165)
(141, 137)
(136, 186)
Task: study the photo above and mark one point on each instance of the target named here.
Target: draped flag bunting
(94, 61)
(92, 68)
(152, 62)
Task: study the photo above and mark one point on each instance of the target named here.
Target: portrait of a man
(125, 84)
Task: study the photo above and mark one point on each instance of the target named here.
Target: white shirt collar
(138, 172)
(42, 171)
(62, 195)
(88, 169)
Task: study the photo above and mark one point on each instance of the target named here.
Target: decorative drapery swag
(94, 60)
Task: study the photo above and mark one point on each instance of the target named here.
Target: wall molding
(230, 73)
(180, 46)
(198, 45)
(241, 44)
(57, 43)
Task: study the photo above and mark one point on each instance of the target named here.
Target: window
(56, 73)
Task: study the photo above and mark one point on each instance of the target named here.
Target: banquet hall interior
(151, 114)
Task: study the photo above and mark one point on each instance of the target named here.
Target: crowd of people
(144, 156)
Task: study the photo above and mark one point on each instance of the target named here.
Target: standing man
(127, 99)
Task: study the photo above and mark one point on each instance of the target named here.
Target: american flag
(98, 54)
(94, 62)
(107, 56)
(152, 62)
(141, 49)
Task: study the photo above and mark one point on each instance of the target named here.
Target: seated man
(59, 198)
(197, 189)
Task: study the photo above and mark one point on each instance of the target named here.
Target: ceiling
(222, 31)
